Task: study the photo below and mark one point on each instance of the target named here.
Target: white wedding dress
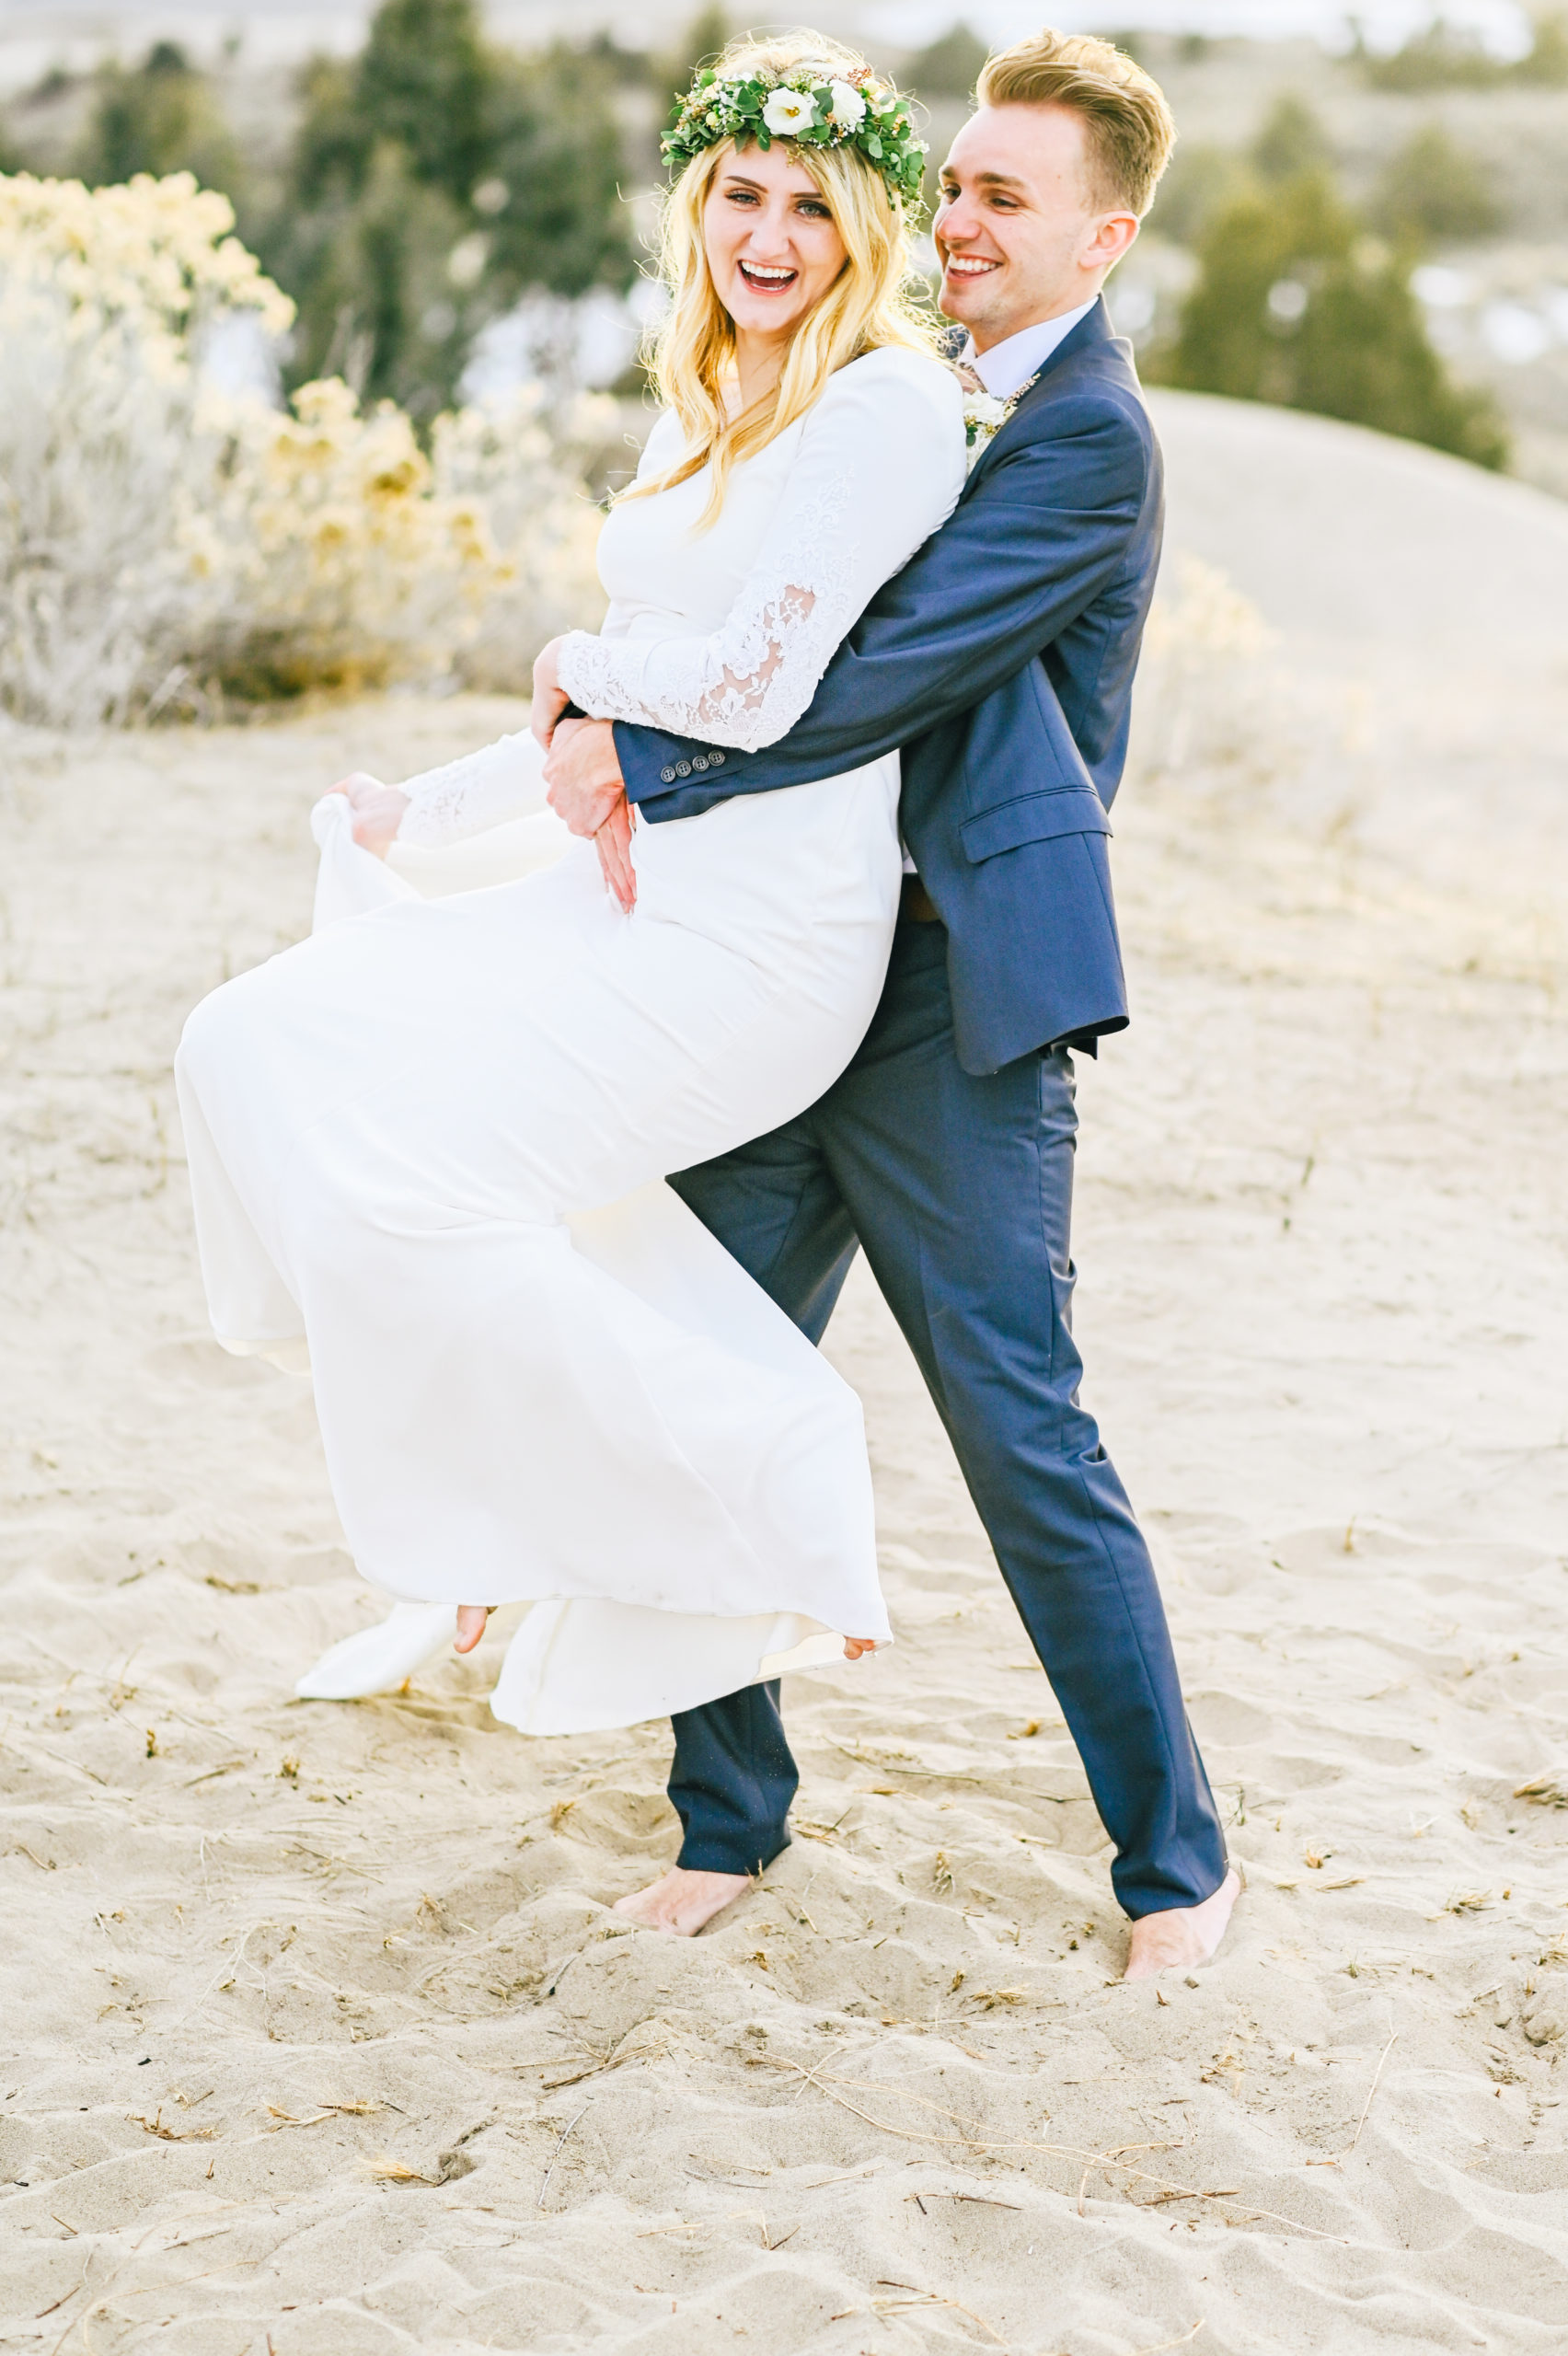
(427, 1144)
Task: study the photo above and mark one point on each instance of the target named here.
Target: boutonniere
(984, 414)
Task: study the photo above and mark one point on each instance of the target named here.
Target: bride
(428, 1144)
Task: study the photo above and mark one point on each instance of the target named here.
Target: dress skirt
(426, 1147)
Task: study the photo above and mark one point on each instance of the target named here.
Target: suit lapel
(1094, 329)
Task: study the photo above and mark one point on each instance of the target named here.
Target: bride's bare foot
(682, 1901)
(1186, 1934)
(471, 1617)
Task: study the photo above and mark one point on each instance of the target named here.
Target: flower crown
(808, 105)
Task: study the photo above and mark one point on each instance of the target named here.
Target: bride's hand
(550, 698)
(378, 810)
(613, 843)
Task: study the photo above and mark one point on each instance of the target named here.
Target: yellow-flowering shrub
(1206, 694)
(353, 571)
(156, 535)
(519, 463)
(107, 459)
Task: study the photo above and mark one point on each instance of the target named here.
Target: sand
(318, 2034)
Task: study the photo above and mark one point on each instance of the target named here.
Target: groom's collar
(1094, 328)
(1006, 367)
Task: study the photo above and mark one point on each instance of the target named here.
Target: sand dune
(318, 2034)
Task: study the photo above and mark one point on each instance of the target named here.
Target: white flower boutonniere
(984, 414)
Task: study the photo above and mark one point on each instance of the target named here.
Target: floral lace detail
(747, 685)
(832, 514)
(465, 796)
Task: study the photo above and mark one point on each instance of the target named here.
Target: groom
(1001, 661)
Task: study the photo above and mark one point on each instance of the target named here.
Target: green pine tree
(1441, 56)
(1291, 142)
(423, 80)
(1432, 191)
(949, 67)
(700, 43)
(1295, 304)
(158, 117)
(434, 178)
(1203, 179)
(552, 195)
(377, 303)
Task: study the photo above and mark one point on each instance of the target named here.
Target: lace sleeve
(477, 791)
(880, 466)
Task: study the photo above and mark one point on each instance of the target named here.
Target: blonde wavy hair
(872, 304)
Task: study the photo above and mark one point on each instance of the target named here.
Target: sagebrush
(163, 543)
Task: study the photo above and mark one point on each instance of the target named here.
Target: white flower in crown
(789, 110)
(849, 110)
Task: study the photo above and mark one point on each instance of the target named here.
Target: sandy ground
(319, 2037)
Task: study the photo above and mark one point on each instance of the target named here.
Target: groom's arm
(1013, 566)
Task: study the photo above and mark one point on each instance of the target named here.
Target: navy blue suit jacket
(1000, 659)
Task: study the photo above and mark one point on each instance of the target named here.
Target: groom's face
(1021, 231)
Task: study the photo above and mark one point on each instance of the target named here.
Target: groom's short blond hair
(1130, 128)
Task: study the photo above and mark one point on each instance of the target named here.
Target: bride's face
(772, 245)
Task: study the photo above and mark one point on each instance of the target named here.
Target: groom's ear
(1114, 236)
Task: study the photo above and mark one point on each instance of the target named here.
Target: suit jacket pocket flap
(1034, 818)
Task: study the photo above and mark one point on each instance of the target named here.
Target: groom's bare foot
(471, 1617)
(1186, 1934)
(682, 1903)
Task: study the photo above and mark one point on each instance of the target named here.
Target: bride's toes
(471, 1617)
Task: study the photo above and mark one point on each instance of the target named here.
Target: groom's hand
(586, 792)
(583, 775)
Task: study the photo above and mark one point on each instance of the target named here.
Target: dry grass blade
(594, 2065)
(1544, 1791)
(931, 2299)
(1094, 2162)
(1365, 2107)
(55, 2304)
(980, 2200)
(905, 1767)
(556, 2154)
(1377, 2075)
(325, 2110)
(155, 2126)
(387, 2170)
(1163, 2347)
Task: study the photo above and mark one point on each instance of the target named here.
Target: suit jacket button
(716, 760)
(698, 762)
(682, 768)
(666, 777)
